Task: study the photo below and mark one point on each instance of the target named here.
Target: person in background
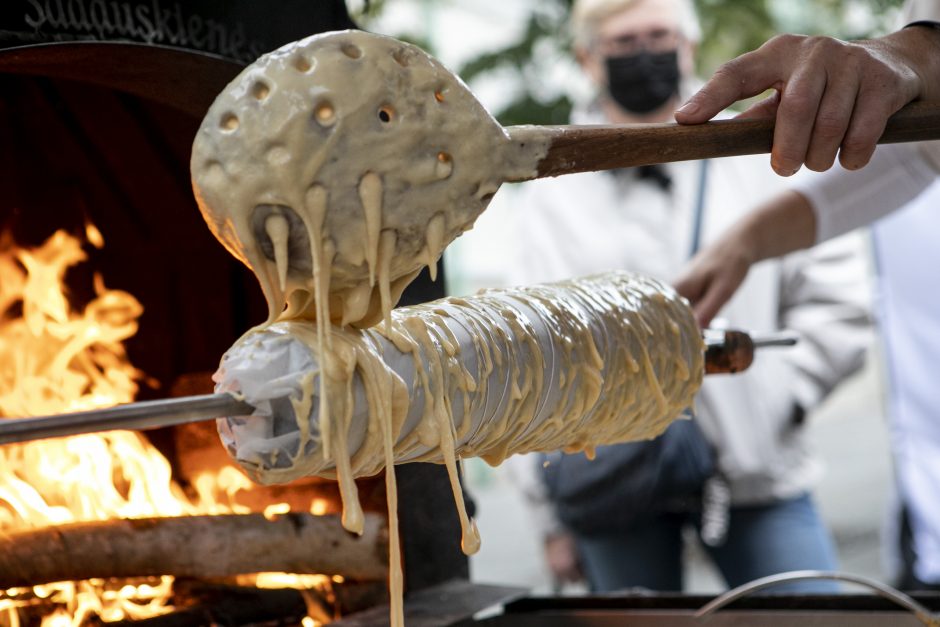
(639, 55)
(875, 78)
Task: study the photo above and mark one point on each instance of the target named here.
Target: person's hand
(713, 276)
(781, 225)
(561, 554)
(830, 96)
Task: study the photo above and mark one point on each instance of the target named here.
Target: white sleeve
(920, 10)
(915, 10)
(844, 200)
(825, 296)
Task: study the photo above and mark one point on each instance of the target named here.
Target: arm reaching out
(830, 96)
(782, 225)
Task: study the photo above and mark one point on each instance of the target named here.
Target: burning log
(194, 546)
(242, 607)
(202, 603)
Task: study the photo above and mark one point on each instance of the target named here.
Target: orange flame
(55, 360)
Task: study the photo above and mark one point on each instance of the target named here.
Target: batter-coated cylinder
(571, 365)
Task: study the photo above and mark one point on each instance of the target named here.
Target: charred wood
(194, 546)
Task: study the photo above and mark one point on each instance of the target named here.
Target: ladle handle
(607, 147)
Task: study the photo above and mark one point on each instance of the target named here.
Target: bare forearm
(782, 225)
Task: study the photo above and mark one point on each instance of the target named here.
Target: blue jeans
(761, 540)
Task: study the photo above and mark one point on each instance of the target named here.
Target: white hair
(587, 16)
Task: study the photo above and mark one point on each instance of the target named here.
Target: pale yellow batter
(570, 365)
(336, 168)
(341, 148)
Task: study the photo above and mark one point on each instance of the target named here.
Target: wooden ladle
(367, 151)
(605, 147)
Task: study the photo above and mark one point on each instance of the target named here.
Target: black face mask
(643, 82)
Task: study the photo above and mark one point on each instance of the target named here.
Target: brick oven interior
(73, 151)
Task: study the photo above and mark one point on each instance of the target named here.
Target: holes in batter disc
(401, 57)
(444, 166)
(351, 50)
(215, 173)
(260, 90)
(386, 114)
(229, 122)
(439, 95)
(324, 113)
(301, 64)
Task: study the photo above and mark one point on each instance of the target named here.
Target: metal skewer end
(142, 415)
(780, 338)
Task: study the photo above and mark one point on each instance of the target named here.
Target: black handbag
(625, 482)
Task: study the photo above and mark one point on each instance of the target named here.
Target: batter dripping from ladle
(344, 163)
(336, 168)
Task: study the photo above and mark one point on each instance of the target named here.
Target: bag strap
(699, 210)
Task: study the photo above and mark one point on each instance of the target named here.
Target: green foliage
(527, 110)
(729, 28)
(361, 11)
(546, 24)
(517, 55)
(833, 17)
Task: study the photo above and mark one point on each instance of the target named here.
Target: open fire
(59, 358)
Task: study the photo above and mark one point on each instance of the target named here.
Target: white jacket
(908, 305)
(580, 224)
(896, 175)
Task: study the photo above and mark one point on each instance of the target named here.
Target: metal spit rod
(177, 411)
(759, 340)
(141, 415)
